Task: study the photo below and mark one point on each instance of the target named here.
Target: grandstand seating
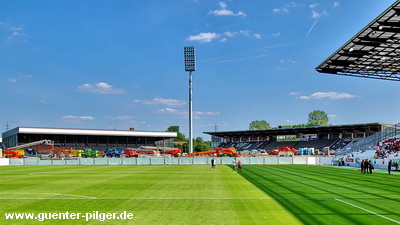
(367, 154)
(341, 143)
(270, 145)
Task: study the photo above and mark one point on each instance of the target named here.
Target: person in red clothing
(239, 166)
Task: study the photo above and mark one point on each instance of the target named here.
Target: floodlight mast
(190, 66)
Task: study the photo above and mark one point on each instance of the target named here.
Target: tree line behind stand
(315, 118)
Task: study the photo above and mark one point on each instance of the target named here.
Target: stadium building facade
(319, 137)
(88, 138)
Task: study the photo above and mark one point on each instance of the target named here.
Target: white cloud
(230, 34)
(163, 101)
(205, 113)
(315, 5)
(291, 61)
(14, 31)
(78, 117)
(332, 115)
(276, 34)
(169, 111)
(285, 10)
(12, 80)
(43, 102)
(328, 95)
(185, 114)
(208, 37)
(24, 75)
(336, 4)
(293, 4)
(241, 59)
(203, 37)
(135, 122)
(293, 93)
(124, 117)
(245, 32)
(288, 121)
(225, 12)
(100, 88)
(315, 14)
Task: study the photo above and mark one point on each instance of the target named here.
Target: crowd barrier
(377, 163)
(166, 161)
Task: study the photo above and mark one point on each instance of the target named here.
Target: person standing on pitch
(234, 165)
(390, 167)
(213, 164)
(370, 167)
(362, 167)
(366, 167)
(239, 166)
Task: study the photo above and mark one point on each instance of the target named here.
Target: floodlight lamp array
(190, 58)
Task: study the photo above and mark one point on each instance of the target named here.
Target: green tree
(259, 125)
(180, 137)
(200, 145)
(318, 118)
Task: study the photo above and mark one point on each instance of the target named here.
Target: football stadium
(333, 174)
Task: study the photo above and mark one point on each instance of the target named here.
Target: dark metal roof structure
(374, 52)
(351, 128)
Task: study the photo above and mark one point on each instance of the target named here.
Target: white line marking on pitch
(21, 193)
(151, 198)
(366, 210)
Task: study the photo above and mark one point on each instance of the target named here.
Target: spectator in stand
(387, 148)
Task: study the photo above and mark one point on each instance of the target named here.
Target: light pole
(190, 66)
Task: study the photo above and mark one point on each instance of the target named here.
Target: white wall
(4, 161)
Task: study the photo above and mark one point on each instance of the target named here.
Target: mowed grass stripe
(365, 193)
(155, 194)
(310, 182)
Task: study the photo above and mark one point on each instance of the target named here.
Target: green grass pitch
(261, 194)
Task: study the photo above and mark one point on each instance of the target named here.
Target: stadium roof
(352, 128)
(374, 52)
(68, 131)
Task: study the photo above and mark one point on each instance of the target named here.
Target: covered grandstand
(336, 137)
(371, 53)
(88, 138)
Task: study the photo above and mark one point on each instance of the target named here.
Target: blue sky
(119, 64)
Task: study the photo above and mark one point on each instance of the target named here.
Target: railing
(370, 141)
(167, 161)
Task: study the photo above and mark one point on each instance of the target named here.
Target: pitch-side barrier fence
(166, 161)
